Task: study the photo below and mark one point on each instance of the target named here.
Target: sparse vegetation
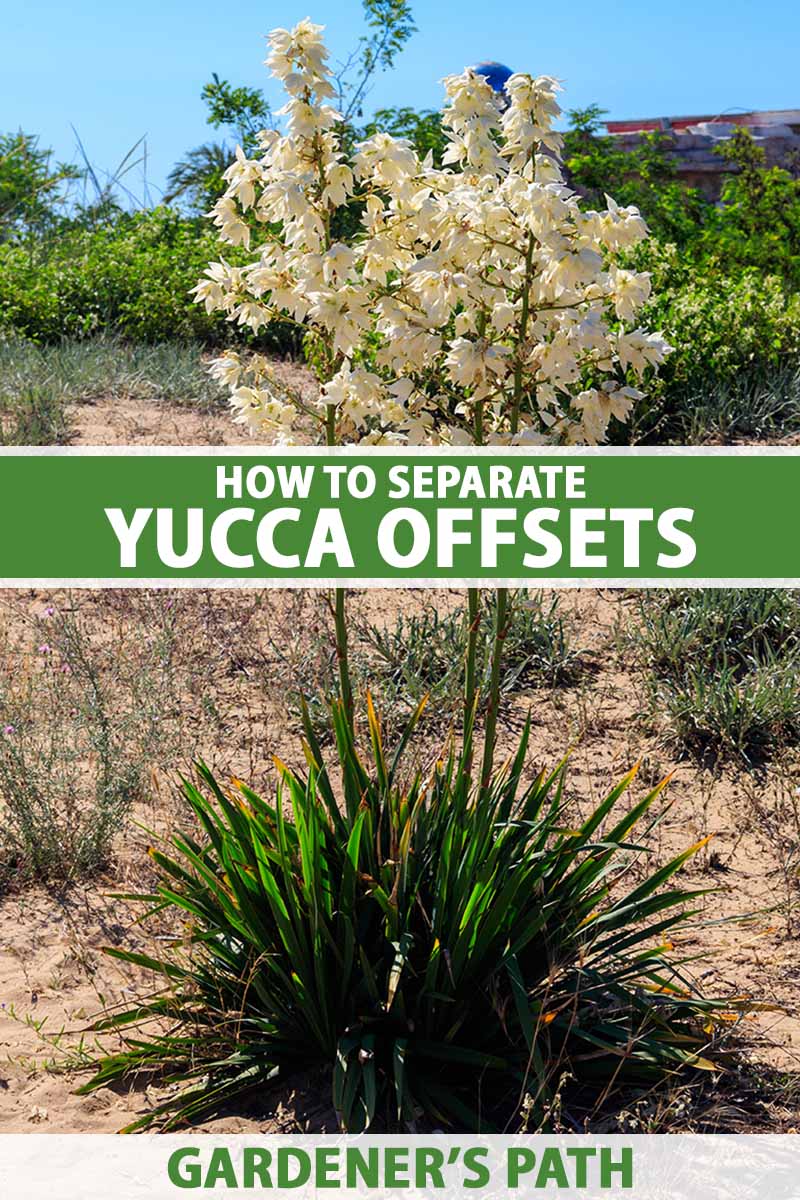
(722, 667)
(421, 654)
(81, 723)
(755, 405)
(81, 371)
(33, 416)
(38, 382)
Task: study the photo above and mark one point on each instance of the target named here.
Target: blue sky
(117, 71)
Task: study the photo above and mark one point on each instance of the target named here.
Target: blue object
(495, 73)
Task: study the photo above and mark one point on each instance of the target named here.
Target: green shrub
(718, 320)
(757, 223)
(131, 276)
(451, 953)
(725, 280)
(723, 666)
(735, 364)
(723, 324)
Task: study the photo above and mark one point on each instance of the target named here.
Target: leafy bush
(447, 951)
(724, 667)
(721, 324)
(131, 276)
(758, 222)
(736, 350)
(725, 280)
(718, 320)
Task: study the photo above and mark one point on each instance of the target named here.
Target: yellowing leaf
(704, 1064)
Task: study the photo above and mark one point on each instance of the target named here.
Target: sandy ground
(111, 421)
(54, 978)
(131, 423)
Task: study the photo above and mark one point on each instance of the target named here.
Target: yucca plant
(449, 950)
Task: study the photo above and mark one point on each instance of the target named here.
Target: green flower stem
(473, 606)
(504, 608)
(340, 623)
(339, 615)
(502, 622)
(470, 681)
(523, 332)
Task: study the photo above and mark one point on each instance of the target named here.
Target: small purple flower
(48, 612)
(44, 648)
(8, 730)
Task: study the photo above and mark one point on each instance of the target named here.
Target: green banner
(380, 517)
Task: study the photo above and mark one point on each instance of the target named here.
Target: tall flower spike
(476, 300)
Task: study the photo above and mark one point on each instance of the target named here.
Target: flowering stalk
(473, 604)
(504, 610)
(502, 622)
(339, 604)
(470, 681)
(477, 302)
(343, 665)
(339, 617)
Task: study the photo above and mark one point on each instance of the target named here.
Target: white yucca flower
(476, 300)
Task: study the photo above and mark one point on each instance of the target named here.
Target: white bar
(678, 1167)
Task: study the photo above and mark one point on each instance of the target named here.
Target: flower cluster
(477, 301)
